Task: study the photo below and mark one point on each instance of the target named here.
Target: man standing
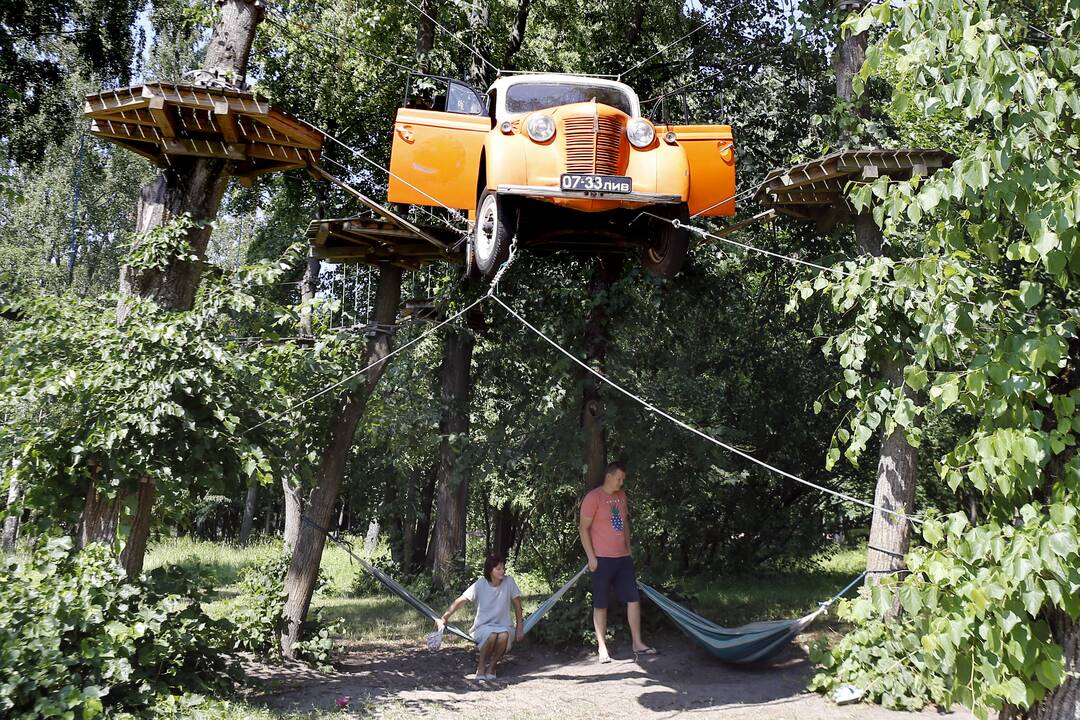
(605, 535)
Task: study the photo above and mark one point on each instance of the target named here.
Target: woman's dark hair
(490, 564)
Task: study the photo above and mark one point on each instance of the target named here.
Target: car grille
(593, 152)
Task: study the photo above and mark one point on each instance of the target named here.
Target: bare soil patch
(400, 680)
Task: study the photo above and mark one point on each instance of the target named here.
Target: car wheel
(493, 232)
(668, 245)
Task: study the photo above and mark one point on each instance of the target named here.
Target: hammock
(402, 592)
(744, 644)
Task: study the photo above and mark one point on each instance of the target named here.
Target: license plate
(596, 183)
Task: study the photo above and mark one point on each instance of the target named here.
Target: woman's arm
(520, 634)
(454, 606)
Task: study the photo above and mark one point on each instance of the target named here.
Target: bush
(364, 584)
(77, 638)
(258, 618)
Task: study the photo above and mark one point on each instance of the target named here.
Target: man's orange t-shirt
(609, 514)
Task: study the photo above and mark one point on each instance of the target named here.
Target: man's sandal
(603, 659)
(646, 651)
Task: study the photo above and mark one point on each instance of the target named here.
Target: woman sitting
(492, 629)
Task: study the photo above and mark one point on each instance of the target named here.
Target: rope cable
(461, 42)
(669, 45)
(281, 20)
(364, 369)
(705, 436)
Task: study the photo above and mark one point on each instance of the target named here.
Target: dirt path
(392, 681)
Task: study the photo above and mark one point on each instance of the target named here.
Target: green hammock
(402, 592)
(746, 643)
(399, 590)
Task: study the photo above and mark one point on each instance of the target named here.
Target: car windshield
(529, 97)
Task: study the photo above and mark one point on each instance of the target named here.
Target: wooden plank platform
(163, 120)
(373, 241)
(814, 190)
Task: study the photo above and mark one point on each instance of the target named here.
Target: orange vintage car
(561, 161)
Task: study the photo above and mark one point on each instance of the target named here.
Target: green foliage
(162, 396)
(978, 293)
(77, 638)
(258, 615)
(165, 244)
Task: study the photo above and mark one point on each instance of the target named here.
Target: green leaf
(915, 377)
(1031, 293)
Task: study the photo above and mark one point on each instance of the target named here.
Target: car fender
(504, 160)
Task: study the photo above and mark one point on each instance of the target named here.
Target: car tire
(492, 234)
(668, 246)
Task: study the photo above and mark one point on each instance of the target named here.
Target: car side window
(464, 100)
(440, 94)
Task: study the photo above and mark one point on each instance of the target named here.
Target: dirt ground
(394, 681)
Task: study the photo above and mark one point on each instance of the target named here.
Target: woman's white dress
(493, 608)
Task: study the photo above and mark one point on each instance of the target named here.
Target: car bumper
(541, 191)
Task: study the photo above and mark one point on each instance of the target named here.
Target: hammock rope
(423, 608)
(752, 642)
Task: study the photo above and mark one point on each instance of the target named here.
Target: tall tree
(191, 187)
(311, 539)
(452, 481)
(898, 459)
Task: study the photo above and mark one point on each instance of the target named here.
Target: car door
(438, 138)
(710, 158)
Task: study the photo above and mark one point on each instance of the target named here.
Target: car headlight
(541, 128)
(640, 133)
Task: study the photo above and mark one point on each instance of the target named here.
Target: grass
(735, 600)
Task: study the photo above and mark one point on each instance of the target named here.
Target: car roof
(509, 80)
(502, 83)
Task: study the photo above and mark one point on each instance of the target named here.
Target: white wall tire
(492, 233)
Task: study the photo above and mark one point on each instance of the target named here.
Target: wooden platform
(814, 190)
(162, 120)
(376, 241)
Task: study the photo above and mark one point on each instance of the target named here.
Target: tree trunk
(898, 461)
(452, 479)
(517, 34)
(11, 522)
(139, 534)
(503, 540)
(307, 553)
(308, 287)
(606, 270)
(425, 34)
(478, 23)
(371, 540)
(294, 505)
(890, 536)
(249, 511)
(192, 186)
(99, 519)
(1063, 703)
(423, 517)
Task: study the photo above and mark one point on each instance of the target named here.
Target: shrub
(258, 618)
(77, 638)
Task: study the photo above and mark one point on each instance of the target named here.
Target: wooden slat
(108, 129)
(163, 115)
(150, 152)
(226, 121)
(277, 153)
(206, 148)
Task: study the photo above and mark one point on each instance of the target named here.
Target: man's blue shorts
(617, 571)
